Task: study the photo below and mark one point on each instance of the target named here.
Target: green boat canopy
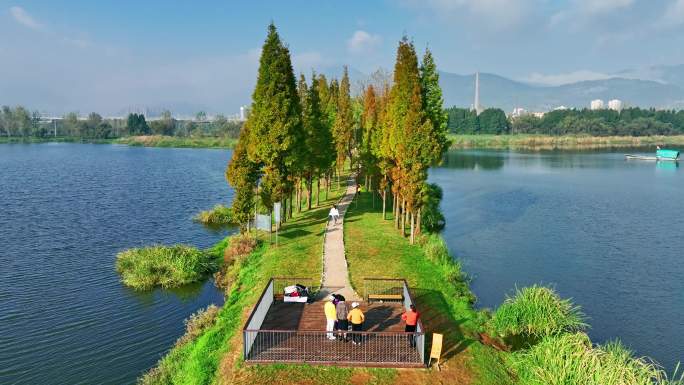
(667, 154)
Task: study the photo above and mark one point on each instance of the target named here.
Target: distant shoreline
(566, 142)
(138, 141)
(484, 141)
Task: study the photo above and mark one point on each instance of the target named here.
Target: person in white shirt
(334, 214)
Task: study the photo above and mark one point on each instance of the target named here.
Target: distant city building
(615, 105)
(560, 108)
(518, 112)
(597, 104)
(538, 114)
(244, 113)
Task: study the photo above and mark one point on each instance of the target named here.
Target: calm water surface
(607, 232)
(65, 211)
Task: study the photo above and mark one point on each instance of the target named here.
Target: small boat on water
(661, 154)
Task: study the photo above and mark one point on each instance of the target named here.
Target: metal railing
(398, 349)
(359, 348)
(280, 283)
(256, 318)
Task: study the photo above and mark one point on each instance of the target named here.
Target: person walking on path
(356, 318)
(411, 318)
(334, 214)
(342, 322)
(330, 317)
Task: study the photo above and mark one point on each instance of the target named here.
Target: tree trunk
(318, 190)
(418, 226)
(403, 217)
(309, 191)
(299, 196)
(412, 220)
(384, 202)
(395, 211)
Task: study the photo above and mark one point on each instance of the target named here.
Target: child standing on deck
(356, 318)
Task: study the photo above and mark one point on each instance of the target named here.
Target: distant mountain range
(659, 87)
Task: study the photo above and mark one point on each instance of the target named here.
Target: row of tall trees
(630, 121)
(20, 122)
(403, 132)
(296, 134)
(466, 121)
(299, 132)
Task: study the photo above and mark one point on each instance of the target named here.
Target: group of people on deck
(338, 318)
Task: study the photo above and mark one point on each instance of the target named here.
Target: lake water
(607, 232)
(65, 212)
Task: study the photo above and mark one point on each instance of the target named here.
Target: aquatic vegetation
(165, 266)
(220, 215)
(570, 358)
(536, 312)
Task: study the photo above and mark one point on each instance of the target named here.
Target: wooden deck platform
(295, 332)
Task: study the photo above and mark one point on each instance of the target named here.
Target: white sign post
(276, 209)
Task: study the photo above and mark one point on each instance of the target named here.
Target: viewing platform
(288, 332)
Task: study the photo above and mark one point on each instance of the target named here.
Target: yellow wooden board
(436, 351)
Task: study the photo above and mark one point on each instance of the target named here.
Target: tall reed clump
(436, 250)
(197, 323)
(536, 312)
(239, 246)
(570, 358)
(220, 215)
(166, 266)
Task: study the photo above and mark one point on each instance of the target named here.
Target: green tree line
(300, 132)
(627, 122)
(20, 122)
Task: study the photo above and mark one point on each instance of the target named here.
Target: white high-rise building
(242, 112)
(615, 105)
(597, 104)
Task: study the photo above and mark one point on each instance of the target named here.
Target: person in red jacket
(411, 319)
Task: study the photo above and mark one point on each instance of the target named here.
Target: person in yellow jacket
(330, 317)
(356, 318)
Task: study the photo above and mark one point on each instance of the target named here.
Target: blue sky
(108, 55)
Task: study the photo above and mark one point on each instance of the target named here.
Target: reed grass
(220, 215)
(166, 266)
(570, 358)
(536, 311)
(566, 142)
(178, 142)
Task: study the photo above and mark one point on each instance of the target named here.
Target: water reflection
(473, 160)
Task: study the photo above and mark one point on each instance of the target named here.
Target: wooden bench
(385, 297)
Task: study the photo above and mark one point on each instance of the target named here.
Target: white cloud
(363, 42)
(674, 14)
(499, 14)
(564, 78)
(22, 17)
(602, 6)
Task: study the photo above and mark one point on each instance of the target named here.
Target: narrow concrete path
(335, 271)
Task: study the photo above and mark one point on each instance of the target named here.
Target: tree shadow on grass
(436, 318)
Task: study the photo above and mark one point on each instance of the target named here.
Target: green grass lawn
(213, 356)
